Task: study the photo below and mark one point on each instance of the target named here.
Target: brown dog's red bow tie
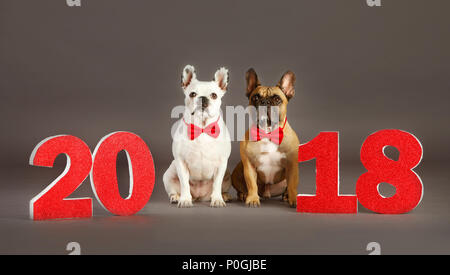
(276, 136)
(194, 131)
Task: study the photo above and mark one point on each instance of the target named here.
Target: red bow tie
(276, 136)
(194, 131)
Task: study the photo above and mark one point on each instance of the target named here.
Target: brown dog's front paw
(241, 196)
(252, 201)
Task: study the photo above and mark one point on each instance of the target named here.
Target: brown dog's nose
(265, 102)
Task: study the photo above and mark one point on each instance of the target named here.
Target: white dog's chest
(269, 160)
(204, 156)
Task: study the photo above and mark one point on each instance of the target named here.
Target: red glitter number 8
(409, 188)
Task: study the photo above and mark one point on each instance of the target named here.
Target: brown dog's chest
(268, 160)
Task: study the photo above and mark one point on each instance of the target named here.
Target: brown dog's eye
(255, 98)
(213, 95)
(276, 100)
(193, 94)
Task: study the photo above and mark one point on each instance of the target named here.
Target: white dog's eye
(193, 94)
(213, 95)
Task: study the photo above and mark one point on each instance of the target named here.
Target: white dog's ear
(287, 84)
(221, 78)
(187, 76)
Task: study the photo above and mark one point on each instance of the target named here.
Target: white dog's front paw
(217, 202)
(185, 203)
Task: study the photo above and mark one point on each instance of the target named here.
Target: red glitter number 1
(325, 149)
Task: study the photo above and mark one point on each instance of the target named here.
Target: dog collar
(276, 136)
(212, 130)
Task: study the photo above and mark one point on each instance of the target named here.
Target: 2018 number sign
(52, 203)
(409, 188)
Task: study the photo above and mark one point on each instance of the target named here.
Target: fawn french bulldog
(269, 152)
(201, 144)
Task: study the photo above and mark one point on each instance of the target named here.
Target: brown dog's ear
(287, 83)
(252, 81)
(187, 76)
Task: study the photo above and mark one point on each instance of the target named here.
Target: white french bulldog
(201, 144)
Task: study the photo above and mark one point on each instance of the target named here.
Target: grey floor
(272, 229)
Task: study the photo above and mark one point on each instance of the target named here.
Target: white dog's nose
(204, 102)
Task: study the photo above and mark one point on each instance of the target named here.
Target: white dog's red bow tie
(276, 136)
(194, 131)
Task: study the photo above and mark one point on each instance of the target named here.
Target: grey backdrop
(115, 65)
